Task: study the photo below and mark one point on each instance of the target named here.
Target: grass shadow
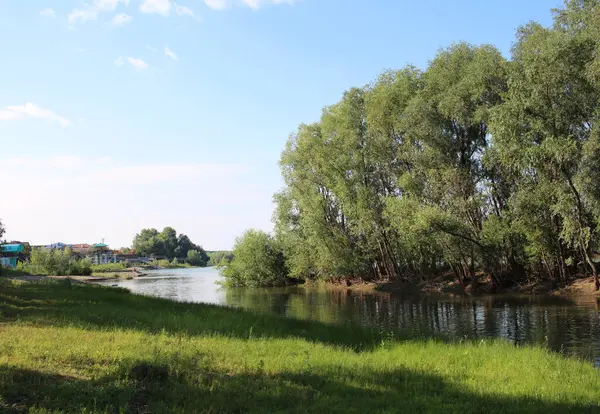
(60, 303)
(164, 389)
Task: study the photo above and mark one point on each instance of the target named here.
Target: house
(131, 259)
(11, 254)
(81, 250)
(58, 246)
(99, 253)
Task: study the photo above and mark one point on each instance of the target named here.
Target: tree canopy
(258, 261)
(167, 243)
(475, 164)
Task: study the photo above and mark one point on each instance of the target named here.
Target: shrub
(257, 261)
(56, 262)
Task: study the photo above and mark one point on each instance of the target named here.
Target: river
(569, 326)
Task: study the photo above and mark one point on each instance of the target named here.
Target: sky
(118, 115)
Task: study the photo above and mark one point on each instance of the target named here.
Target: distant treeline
(219, 257)
(167, 244)
(476, 164)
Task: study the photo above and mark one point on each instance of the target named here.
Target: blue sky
(117, 115)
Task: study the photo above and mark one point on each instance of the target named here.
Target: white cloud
(31, 110)
(48, 13)
(216, 4)
(91, 12)
(253, 4)
(119, 61)
(139, 64)
(121, 19)
(162, 7)
(170, 53)
(152, 49)
(183, 11)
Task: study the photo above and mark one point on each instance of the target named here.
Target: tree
(184, 245)
(546, 127)
(170, 242)
(258, 261)
(196, 258)
(2, 230)
(476, 164)
(149, 243)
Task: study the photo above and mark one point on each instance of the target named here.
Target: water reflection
(568, 326)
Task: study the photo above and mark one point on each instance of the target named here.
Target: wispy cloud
(162, 7)
(139, 64)
(183, 11)
(152, 49)
(31, 110)
(48, 13)
(217, 4)
(121, 19)
(253, 4)
(91, 12)
(170, 53)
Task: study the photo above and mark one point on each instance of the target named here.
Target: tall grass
(75, 348)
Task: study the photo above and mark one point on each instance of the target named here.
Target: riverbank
(79, 347)
(448, 285)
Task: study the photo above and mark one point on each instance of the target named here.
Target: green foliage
(204, 358)
(55, 262)
(196, 258)
(149, 242)
(257, 261)
(474, 164)
(219, 257)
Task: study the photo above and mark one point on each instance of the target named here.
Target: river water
(569, 326)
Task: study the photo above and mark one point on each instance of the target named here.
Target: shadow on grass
(139, 387)
(62, 303)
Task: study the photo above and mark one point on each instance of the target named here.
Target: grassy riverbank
(74, 347)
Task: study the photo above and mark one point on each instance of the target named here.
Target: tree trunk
(594, 270)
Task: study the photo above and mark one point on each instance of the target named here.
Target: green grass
(79, 348)
(109, 267)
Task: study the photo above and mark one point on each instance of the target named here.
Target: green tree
(170, 242)
(258, 261)
(196, 258)
(149, 243)
(546, 127)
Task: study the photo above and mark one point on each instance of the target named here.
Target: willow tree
(449, 121)
(545, 131)
(310, 220)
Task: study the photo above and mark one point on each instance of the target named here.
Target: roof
(100, 245)
(12, 248)
(59, 245)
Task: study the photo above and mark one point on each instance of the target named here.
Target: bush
(56, 262)
(257, 261)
